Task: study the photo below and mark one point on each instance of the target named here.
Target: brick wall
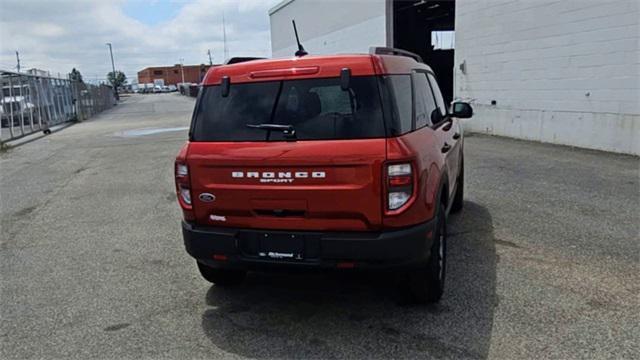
(171, 74)
(559, 71)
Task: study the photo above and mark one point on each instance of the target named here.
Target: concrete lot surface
(543, 261)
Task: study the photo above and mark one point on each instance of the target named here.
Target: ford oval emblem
(206, 197)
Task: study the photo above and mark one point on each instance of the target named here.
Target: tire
(458, 198)
(426, 284)
(222, 277)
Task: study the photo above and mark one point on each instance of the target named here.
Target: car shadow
(359, 315)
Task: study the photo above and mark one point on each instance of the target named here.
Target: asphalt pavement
(543, 261)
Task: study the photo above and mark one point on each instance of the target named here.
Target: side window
(399, 94)
(424, 104)
(439, 100)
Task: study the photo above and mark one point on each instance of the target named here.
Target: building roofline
(279, 6)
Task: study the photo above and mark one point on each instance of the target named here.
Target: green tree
(75, 75)
(117, 79)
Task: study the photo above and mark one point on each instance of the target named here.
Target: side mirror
(462, 110)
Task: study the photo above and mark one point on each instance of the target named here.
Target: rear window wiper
(288, 131)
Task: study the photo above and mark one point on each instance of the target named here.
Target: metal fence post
(46, 100)
(54, 96)
(22, 99)
(11, 131)
(51, 105)
(30, 103)
(65, 103)
(69, 99)
(45, 96)
(38, 96)
(56, 103)
(63, 99)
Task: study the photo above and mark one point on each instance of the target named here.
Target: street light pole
(18, 60)
(224, 40)
(182, 68)
(113, 68)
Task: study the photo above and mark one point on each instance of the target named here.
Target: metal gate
(32, 103)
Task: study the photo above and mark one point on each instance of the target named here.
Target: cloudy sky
(57, 35)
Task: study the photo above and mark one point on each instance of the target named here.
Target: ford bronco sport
(350, 161)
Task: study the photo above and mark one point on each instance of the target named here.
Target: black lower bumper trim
(251, 249)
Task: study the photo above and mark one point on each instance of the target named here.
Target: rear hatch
(289, 154)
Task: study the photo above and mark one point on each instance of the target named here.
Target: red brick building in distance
(172, 75)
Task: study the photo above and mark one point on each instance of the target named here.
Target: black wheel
(222, 277)
(426, 284)
(46, 131)
(458, 198)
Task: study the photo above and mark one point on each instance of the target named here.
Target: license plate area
(281, 246)
(275, 246)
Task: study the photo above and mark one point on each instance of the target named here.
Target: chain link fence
(32, 103)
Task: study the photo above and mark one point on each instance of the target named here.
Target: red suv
(349, 161)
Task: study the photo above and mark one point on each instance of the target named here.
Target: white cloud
(62, 34)
(46, 30)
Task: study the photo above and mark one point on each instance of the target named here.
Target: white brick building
(565, 72)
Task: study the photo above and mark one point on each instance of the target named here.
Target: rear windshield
(315, 108)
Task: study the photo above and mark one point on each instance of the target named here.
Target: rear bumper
(258, 249)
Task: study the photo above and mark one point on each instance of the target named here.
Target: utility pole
(224, 39)
(182, 68)
(18, 59)
(113, 68)
(210, 61)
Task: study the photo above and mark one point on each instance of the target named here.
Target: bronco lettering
(278, 177)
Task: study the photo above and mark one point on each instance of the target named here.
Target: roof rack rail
(380, 50)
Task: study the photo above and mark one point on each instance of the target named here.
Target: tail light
(400, 182)
(183, 188)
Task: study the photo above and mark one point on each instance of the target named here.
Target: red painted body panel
(349, 197)
(422, 149)
(327, 66)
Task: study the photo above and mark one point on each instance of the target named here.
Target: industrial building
(173, 75)
(564, 72)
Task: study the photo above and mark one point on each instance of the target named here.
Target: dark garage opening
(426, 28)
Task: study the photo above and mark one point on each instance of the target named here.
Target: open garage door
(427, 28)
